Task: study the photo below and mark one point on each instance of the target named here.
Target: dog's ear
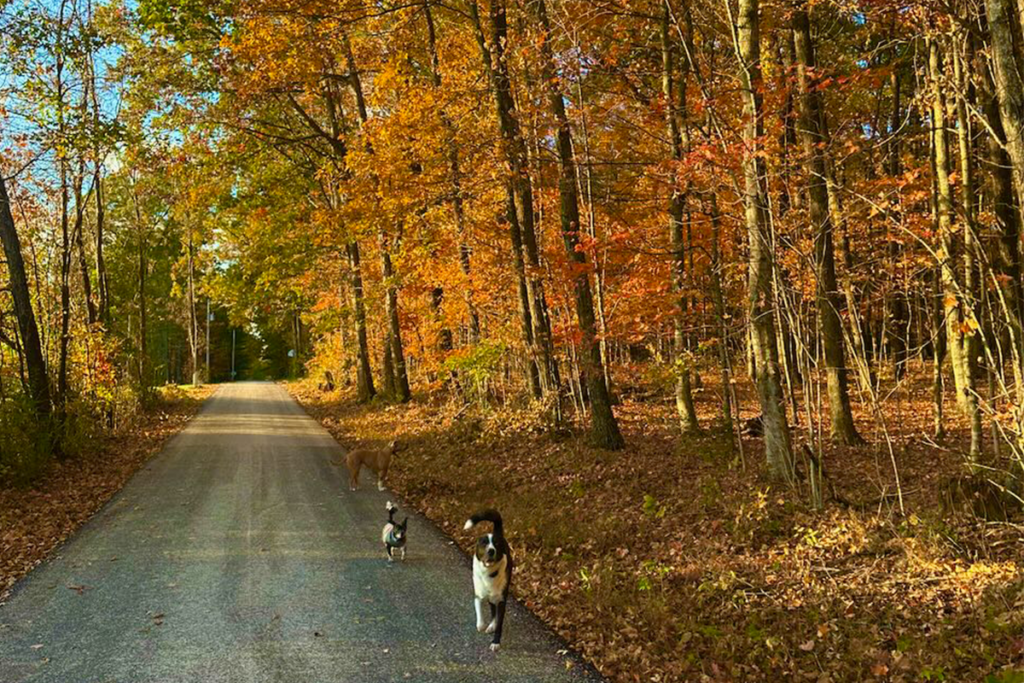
(405, 522)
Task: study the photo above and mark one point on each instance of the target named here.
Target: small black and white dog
(492, 574)
(393, 535)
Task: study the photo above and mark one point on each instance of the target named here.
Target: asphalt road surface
(239, 554)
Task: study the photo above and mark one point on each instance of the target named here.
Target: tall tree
(364, 376)
(1005, 38)
(676, 207)
(603, 426)
(394, 333)
(960, 321)
(102, 281)
(810, 132)
(760, 308)
(38, 380)
(520, 202)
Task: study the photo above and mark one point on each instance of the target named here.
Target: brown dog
(376, 459)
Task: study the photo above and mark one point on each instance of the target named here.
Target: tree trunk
(364, 377)
(102, 285)
(38, 382)
(969, 291)
(65, 243)
(958, 317)
(401, 378)
(402, 392)
(999, 187)
(1005, 37)
(143, 350)
(599, 262)
(718, 296)
(827, 294)
(515, 235)
(897, 301)
(603, 426)
(193, 318)
(143, 264)
(387, 366)
(520, 211)
(688, 422)
(938, 356)
(778, 448)
(83, 262)
(65, 294)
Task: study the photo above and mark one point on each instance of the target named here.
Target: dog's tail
(392, 509)
(492, 516)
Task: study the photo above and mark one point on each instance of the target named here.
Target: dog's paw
(481, 626)
(491, 627)
(380, 486)
(495, 647)
(468, 525)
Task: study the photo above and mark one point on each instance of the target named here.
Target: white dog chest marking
(489, 582)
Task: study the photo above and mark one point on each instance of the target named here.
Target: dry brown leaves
(667, 562)
(33, 521)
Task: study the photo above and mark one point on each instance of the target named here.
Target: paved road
(239, 554)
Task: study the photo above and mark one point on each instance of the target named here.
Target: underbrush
(668, 562)
(25, 449)
(29, 446)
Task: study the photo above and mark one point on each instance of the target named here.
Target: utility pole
(209, 317)
(232, 354)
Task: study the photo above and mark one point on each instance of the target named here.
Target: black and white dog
(492, 574)
(393, 535)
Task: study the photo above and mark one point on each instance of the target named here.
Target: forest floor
(36, 519)
(669, 561)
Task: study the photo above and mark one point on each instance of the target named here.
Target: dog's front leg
(390, 558)
(494, 618)
(403, 553)
(499, 622)
(481, 625)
